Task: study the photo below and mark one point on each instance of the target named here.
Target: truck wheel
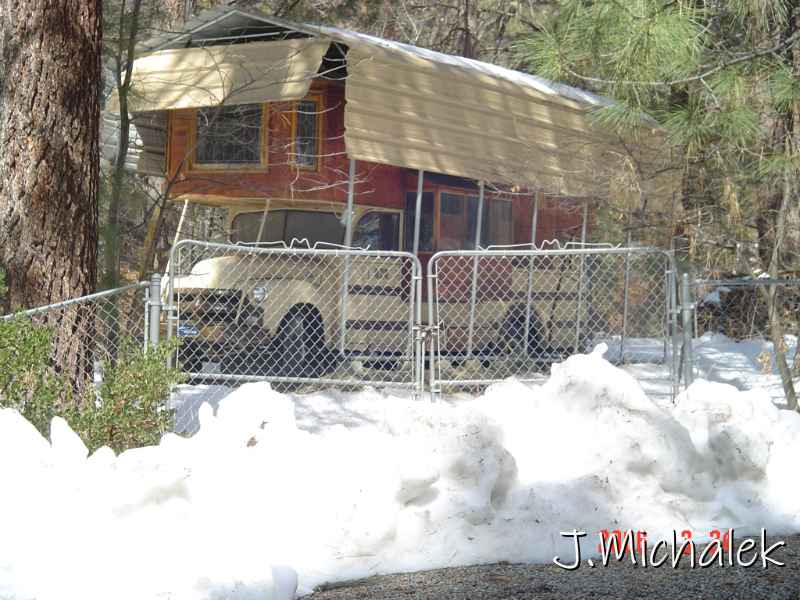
(514, 330)
(300, 343)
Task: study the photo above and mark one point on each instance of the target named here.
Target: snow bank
(345, 485)
(742, 363)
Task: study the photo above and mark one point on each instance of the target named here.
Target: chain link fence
(743, 328)
(306, 319)
(297, 317)
(89, 333)
(740, 308)
(512, 313)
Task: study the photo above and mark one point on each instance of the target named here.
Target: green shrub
(131, 405)
(127, 410)
(3, 287)
(27, 382)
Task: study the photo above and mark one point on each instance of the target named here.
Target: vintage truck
(291, 127)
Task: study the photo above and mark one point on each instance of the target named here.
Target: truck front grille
(212, 306)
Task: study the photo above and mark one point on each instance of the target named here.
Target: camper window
(425, 223)
(306, 133)
(229, 135)
(458, 222)
(378, 231)
(287, 225)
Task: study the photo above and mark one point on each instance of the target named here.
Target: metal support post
(581, 260)
(348, 240)
(625, 289)
(415, 246)
(673, 320)
(694, 295)
(171, 305)
(433, 324)
(419, 350)
(473, 299)
(177, 238)
(418, 211)
(686, 313)
(528, 307)
(146, 294)
(667, 313)
(154, 311)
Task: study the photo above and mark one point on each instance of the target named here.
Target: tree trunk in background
(792, 249)
(781, 209)
(177, 12)
(49, 160)
(123, 71)
(774, 301)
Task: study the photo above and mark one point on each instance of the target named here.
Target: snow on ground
(186, 401)
(343, 485)
(717, 358)
(742, 363)
(714, 296)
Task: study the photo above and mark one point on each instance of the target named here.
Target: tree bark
(49, 162)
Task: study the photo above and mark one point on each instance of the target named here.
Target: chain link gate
(296, 315)
(505, 313)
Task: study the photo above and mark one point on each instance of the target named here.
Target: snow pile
(745, 364)
(742, 364)
(346, 485)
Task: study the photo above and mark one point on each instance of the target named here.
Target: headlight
(260, 292)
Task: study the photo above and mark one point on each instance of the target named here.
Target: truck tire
(514, 330)
(300, 343)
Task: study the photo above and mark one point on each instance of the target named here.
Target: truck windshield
(286, 225)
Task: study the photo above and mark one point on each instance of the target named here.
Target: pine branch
(720, 67)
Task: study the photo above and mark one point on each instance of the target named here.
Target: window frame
(263, 153)
(465, 193)
(358, 215)
(407, 215)
(318, 99)
(286, 210)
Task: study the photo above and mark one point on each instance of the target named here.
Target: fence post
(433, 324)
(154, 310)
(671, 328)
(419, 349)
(581, 266)
(528, 300)
(348, 241)
(146, 308)
(686, 313)
(626, 286)
(473, 298)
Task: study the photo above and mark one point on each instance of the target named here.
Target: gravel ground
(618, 580)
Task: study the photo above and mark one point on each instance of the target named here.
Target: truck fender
(287, 293)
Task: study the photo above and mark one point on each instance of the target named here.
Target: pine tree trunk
(774, 301)
(49, 159)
